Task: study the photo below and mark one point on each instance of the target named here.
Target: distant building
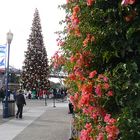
(12, 83)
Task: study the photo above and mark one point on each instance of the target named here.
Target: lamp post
(9, 40)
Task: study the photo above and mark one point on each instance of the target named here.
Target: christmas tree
(35, 67)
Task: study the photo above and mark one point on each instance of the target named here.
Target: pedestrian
(70, 106)
(54, 93)
(2, 93)
(41, 94)
(20, 102)
(29, 96)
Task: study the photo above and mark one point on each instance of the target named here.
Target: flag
(2, 56)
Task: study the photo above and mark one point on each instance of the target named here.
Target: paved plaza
(39, 122)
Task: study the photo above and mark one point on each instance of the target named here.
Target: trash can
(11, 108)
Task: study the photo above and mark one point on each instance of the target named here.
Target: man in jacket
(20, 101)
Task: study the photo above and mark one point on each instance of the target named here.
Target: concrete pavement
(39, 122)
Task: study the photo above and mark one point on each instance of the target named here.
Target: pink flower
(61, 43)
(76, 9)
(56, 65)
(90, 2)
(76, 96)
(84, 135)
(100, 136)
(78, 73)
(72, 76)
(100, 76)
(95, 115)
(107, 118)
(109, 93)
(88, 126)
(106, 86)
(112, 132)
(88, 110)
(72, 59)
(105, 79)
(87, 88)
(112, 121)
(85, 99)
(98, 90)
(127, 2)
(79, 62)
(92, 74)
(76, 21)
(85, 111)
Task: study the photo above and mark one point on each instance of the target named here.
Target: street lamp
(9, 40)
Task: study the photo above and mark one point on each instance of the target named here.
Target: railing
(57, 76)
(53, 75)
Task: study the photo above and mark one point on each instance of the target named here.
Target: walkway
(39, 122)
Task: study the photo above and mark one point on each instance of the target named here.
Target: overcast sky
(17, 15)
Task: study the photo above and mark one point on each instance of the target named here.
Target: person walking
(2, 93)
(70, 107)
(20, 102)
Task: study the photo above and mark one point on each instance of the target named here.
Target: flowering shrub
(101, 51)
(57, 61)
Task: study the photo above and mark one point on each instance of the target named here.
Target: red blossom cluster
(132, 13)
(90, 2)
(73, 25)
(127, 2)
(74, 17)
(81, 59)
(57, 60)
(59, 40)
(102, 86)
(91, 88)
(89, 38)
(85, 133)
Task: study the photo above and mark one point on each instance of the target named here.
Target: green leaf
(130, 32)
